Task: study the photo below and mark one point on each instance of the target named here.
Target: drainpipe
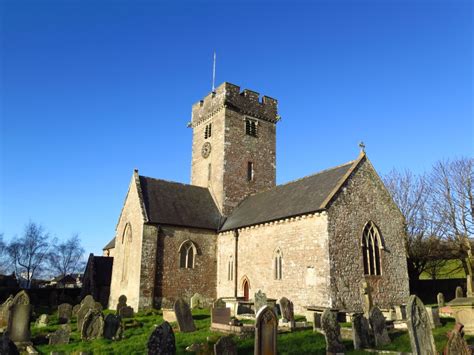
(236, 263)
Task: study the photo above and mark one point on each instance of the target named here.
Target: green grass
(138, 329)
(452, 269)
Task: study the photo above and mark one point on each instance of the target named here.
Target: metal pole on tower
(214, 73)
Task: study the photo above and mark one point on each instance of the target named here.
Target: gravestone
(75, 310)
(456, 344)
(93, 325)
(377, 324)
(260, 300)
(332, 332)
(219, 303)
(361, 336)
(122, 302)
(7, 346)
(184, 316)
(5, 312)
(459, 292)
(64, 313)
(42, 321)
(225, 346)
(401, 312)
(433, 315)
(19, 322)
(220, 315)
(367, 295)
(61, 335)
(113, 328)
(266, 327)
(440, 298)
(126, 312)
(161, 341)
(197, 301)
(87, 304)
(287, 310)
(419, 328)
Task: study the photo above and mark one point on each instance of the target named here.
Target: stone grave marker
(113, 328)
(456, 344)
(441, 301)
(75, 310)
(367, 295)
(266, 327)
(433, 316)
(287, 311)
(5, 312)
(377, 324)
(459, 292)
(169, 315)
(87, 304)
(332, 332)
(225, 346)
(42, 321)
(361, 332)
(197, 301)
(184, 316)
(8, 347)
(122, 302)
(61, 335)
(401, 312)
(64, 313)
(260, 300)
(19, 322)
(93, 325)
(419, 328)
(126, 312)
(220, 315)
(219, 303)
(162, 341)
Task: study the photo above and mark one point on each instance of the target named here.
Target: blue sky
(91, 90)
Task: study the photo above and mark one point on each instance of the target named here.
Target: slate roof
(179, 204)
(298, 197)
(110, 245)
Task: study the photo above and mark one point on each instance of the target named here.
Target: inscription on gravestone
(220, 315)
(419, 328)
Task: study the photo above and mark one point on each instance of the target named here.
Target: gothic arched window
(371, 247)
(187, 255)
(126, 243)
(230, 269)
(277, 260)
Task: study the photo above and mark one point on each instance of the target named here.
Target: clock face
(206, 149)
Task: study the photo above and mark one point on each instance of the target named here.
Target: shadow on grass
(201, 316)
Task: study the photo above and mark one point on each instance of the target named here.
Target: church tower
(234, 141)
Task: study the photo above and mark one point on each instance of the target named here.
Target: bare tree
(4, 259)
(29, 253)
(67, 257)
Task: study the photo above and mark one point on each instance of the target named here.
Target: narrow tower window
(277, 266)
(251, 127)
(209, 172)
(250, 171)
(208, 131)
(230, 269)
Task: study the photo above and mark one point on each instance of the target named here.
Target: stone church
(233, 231)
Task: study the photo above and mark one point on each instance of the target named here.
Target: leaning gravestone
(260, 300)
(377, 323)
(287, 310)
(87, 304)
(113, 328)
(419, 328)
(64, 313)
(459, 292)
(184, 316)
(61, 335)
(19, 322)
(266, 327)
(456, 344)
(42, 321)
(332, 332)
(126, 312)
(440, 298)
(5, 313)
(361, 332)
(93, 325)
(225, 346)
(161, 341)
(196, 301)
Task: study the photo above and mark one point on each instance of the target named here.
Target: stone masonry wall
(364, 198)
(303, 242)
(171, 280)
(130, 286)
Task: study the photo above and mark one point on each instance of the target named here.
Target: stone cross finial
(362, 146)
(367, 292)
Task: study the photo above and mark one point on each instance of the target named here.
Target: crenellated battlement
(228, 95)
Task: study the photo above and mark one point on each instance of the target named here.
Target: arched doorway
(245, 286)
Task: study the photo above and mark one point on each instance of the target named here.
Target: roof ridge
(173, 182)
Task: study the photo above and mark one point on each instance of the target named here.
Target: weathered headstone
(21, 298)
(126, 312)
(433, 316)
(19, 322)
(61, 335)
(42, 321)
(169, 315)
(332, 332)
(113, 328)
(456, 344)
(225, 346)
(441, 301)
(219, 303)
(260, 300)
(400, 312)
(87, 304)
(361, 332)
(266, 327)
(5, 312)
(75, 310)
(287, 312)
(162, 341)
(7, 346)
(377, 323)
(220, 315)
(419, 328)
(367, 294)
(93, 325)
(122, 302)
(64, 313)
(184, 316)
(196, 301)
(459, 292)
